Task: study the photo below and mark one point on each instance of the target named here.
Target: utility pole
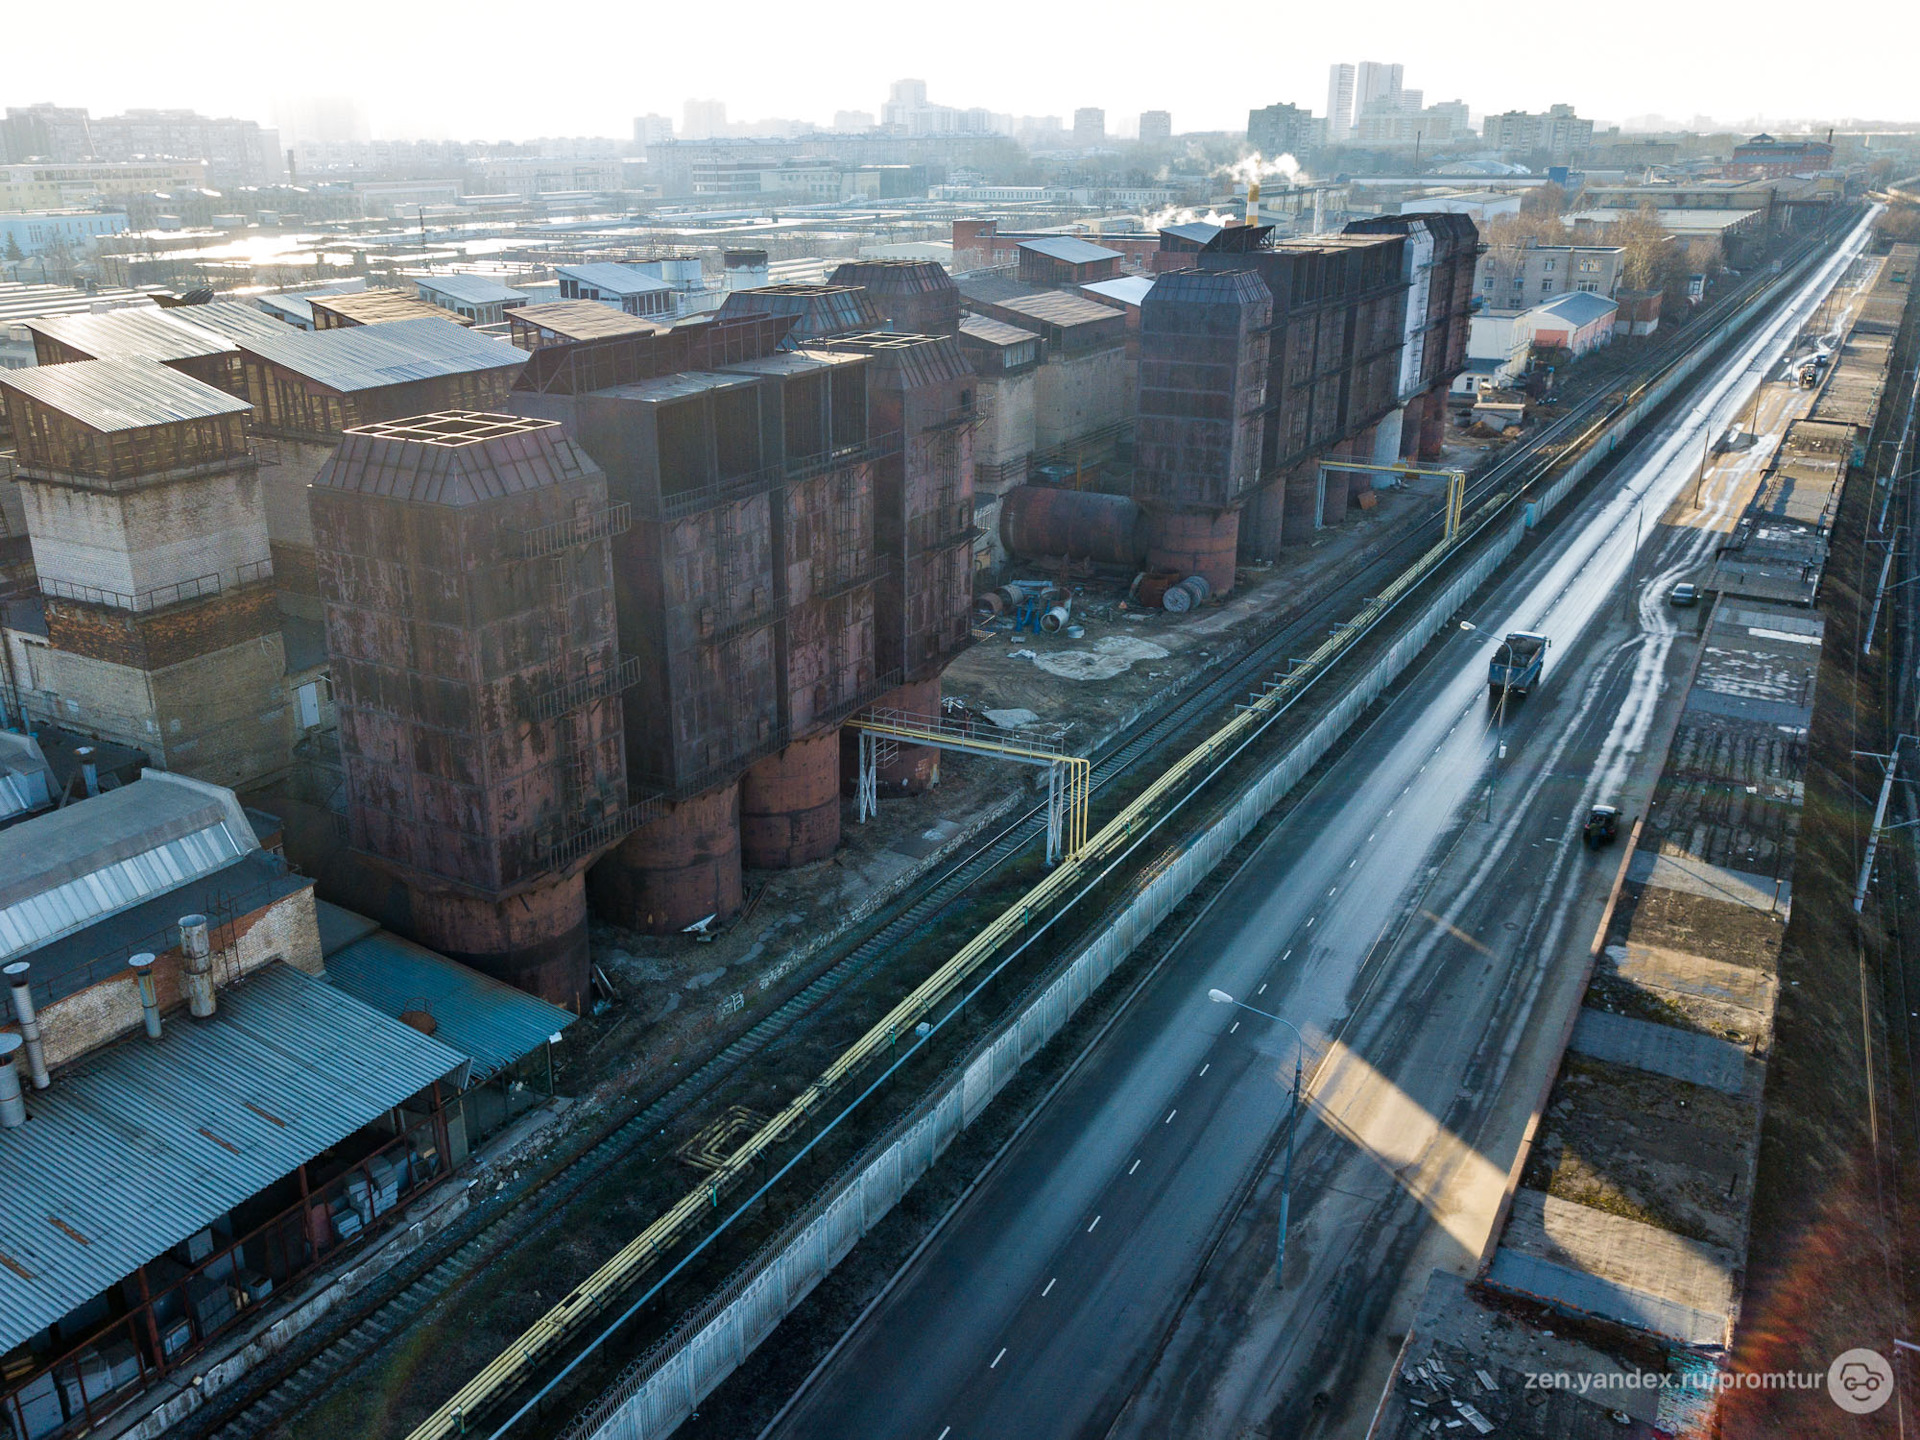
(1706, 449)
(1633, 563)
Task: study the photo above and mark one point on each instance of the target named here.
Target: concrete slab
(1616, 1269)
(1657, 967)
(1665, 1050)
(1711, 882)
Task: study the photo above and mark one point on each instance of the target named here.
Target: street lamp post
(1220, 997)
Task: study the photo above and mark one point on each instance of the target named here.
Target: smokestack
(142, 967)
(1253, 201)
(22, 992)
(197, 961)
(13, 1107)
(89, 771)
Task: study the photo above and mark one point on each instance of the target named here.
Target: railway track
(308, 1371)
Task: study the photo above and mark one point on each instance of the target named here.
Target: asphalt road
(1113, 1273)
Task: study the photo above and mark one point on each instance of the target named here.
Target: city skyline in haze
(237, 62)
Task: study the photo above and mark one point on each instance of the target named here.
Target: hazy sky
(492, 69)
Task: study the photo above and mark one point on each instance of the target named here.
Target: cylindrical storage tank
(1195, 542)
(914, 769)
(1037, 520)
(1263, 523)
(675, 871)
(1302, 504)
(790, 805)
(535, 940)
(1433, 426)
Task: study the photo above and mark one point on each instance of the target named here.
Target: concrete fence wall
(652, 1400)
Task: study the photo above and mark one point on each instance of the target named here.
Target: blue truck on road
(1516, 665)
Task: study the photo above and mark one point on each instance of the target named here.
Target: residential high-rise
(652, 129)
(1375, 81)
(45, 132)
(703, 119)
(1156, 125)
(1282, 130)
(1339, 102)
(1089, 125)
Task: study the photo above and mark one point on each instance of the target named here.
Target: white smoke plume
(1186, 215)
(1249, 168)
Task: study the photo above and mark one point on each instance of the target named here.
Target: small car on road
(1684, 594)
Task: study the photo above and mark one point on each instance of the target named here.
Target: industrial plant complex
(520, 662)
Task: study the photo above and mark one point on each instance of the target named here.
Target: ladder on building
(1069, 776)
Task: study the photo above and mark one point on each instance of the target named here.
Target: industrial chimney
(142, 967)
(22, 991)
(13, 1107)
(196, 960)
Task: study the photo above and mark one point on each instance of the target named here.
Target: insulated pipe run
(23, 1011)
(197, 962)
(142, 967)
(13, 1106)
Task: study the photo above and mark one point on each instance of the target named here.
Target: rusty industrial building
(577, 621)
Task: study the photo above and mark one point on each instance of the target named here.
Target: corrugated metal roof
(1056, 307)
(489, 1022)
(473, 289)
(582, 320)
(26, 780)
(1197, 232)
(1128, 289)
(132, 335)
(616, 279)
(1070, 251)
(235, 319)
(143, 1144)
(382, 307)
(1579, 307)
(995, 332)
(67, 869)
(366, 357)
(110, 395)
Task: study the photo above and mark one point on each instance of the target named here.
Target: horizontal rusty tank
(914, 769)
(1037, 520)
(1195, 542)
(535, 940)
(790, 805)
(675, 871)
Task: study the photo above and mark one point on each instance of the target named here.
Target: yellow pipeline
(508, 1368)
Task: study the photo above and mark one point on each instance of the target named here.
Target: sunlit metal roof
(109, 395)
(65, 870)
(613, 278)
(1069, 251)
(132, 335)
(473, 289)
(141, 1145)
(366, 357)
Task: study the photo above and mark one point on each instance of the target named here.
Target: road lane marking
(946, 1432)
(1356, 859)
(1056, 1279)
(1263, 989)
(998, 1358)
(1133, 1167)
(1310, 920)
(1370, 837)
(1206, 1067)
(1170, 1115)
(1333, 892)
(1096, 1221)
(1236, 1024)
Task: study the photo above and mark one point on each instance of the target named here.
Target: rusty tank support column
(1301, 504)
(1195, 542)
(1336, 487)
(1359, 482)
(1433, 425)
(1414, 415)
(1388, 434)
(535, 941)
(790, 805)
(675, 871)
(914, 769)
(1263, 522)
